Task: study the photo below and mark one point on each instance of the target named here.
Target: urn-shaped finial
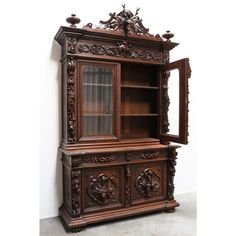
(73, 20)
(168, 35)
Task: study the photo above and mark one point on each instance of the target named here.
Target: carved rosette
(122, 49)
(165, 101)
(171, 172)
(148, 183)
(75, 183)
(72, 44)
(102, 189)
(71, 103)
(127, 185)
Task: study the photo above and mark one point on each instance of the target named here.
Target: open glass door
(174, 101)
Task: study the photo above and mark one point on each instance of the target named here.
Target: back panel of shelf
(139, 101)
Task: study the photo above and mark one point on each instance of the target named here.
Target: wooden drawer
(102, 188)
(148, 182)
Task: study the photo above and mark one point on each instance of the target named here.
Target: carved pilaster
(171, 172)
(76, 185)
(71, 44)
(127, 185)
(71, 101)
(165, 102)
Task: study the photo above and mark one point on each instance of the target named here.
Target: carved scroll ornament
(148, 183)
(102, 189)
(122, 49)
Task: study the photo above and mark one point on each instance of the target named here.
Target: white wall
(200, 40)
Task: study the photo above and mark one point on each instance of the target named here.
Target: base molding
(76, 224)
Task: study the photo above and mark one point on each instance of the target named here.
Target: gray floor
(180, 223)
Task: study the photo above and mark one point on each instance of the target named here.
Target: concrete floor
(180, 223)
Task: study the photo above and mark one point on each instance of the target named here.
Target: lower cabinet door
(102, 189)
(148, 182)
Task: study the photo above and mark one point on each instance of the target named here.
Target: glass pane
(97, 100)
(173, 92)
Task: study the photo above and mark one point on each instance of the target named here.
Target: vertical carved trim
(166, 56)
(71, 117)
(171, 172)
(127, 185)
(71, 44)
(76, 185)
(189, 71)
(165, 101)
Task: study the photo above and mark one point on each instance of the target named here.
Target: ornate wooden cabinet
(116, 152)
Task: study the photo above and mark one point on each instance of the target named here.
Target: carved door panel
(174, 101)
(148, 182)
(102, 189)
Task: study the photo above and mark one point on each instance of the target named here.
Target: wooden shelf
(139, 114)
(139, 87)
(92, 84)
(97, 114)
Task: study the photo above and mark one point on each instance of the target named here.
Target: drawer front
(102, 188)
(148, 182)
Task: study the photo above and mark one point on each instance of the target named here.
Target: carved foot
(171, 210)
(76, 230)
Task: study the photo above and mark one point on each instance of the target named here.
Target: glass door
(174, 101)
(99, 97)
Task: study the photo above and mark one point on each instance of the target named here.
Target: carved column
(166, 102)
(71, 101)
(171, 172)
(127, 185)
(76, 192)
(164, 95)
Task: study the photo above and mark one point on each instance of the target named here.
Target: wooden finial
(73, 20)
(168, 35)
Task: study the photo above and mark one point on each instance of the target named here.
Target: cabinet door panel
(174, 101)
(99, 97)
(102, 189)
(148, 182)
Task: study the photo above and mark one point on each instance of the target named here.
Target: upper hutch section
(122, 37)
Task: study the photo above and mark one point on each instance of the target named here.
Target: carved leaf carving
(148, 183)
(102, 189)
(75, 184)
(122, 49)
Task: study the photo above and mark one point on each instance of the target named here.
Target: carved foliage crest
(126, 22)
